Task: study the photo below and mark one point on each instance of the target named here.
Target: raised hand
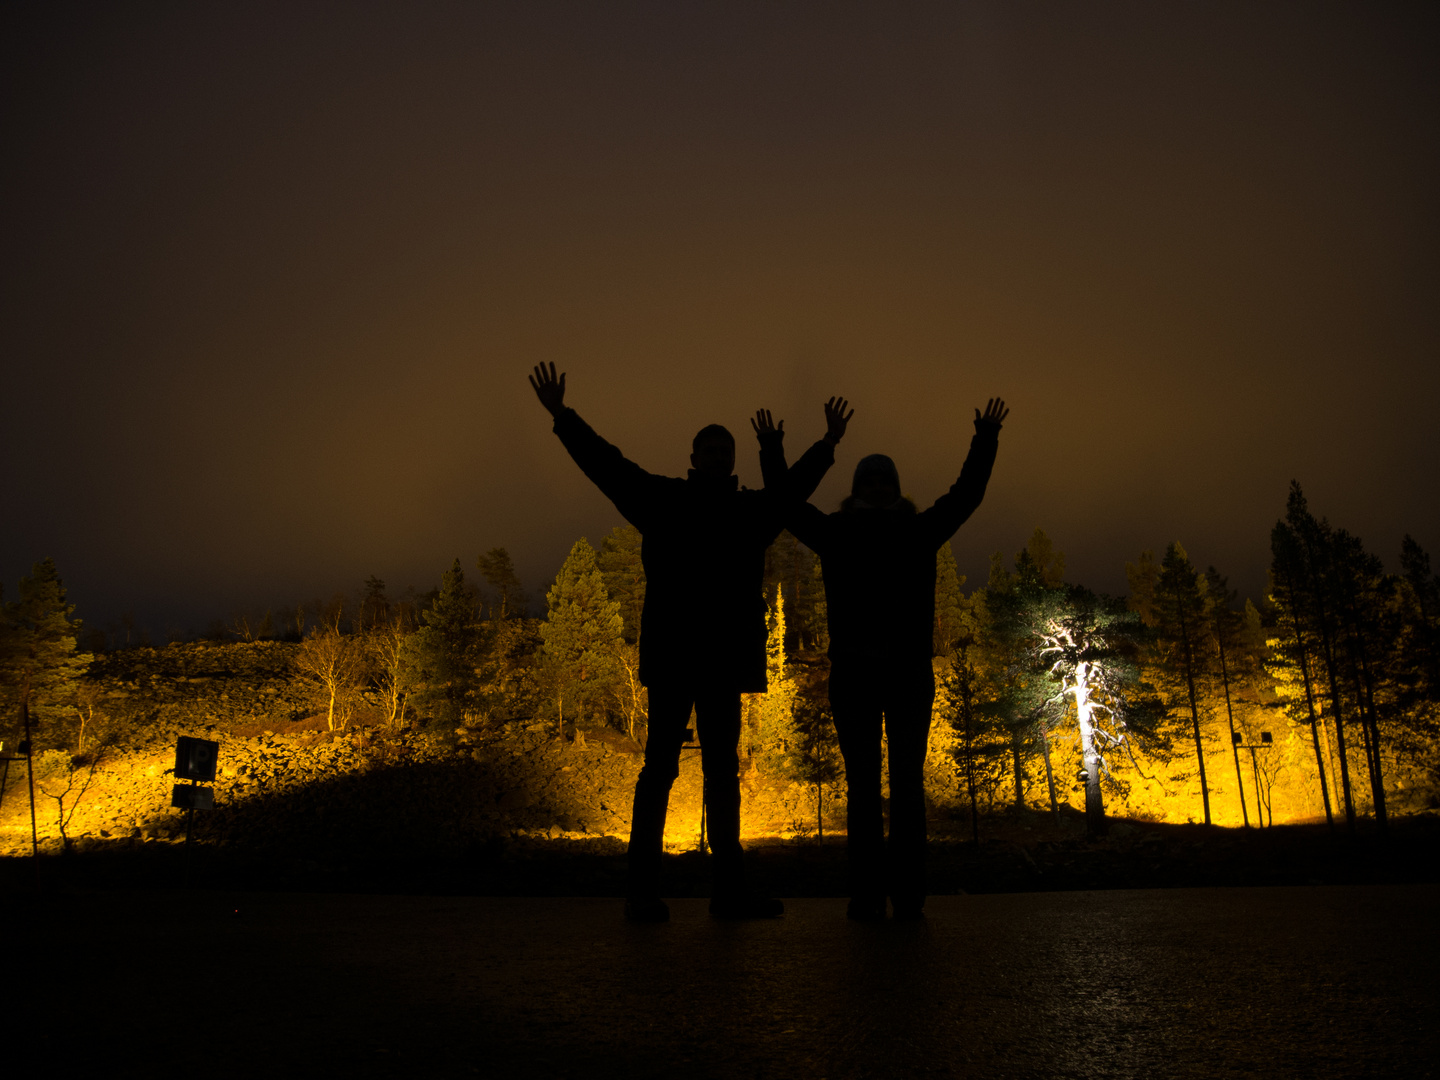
(995, 413)
(763, 425)
(549, 389)
(835, 419)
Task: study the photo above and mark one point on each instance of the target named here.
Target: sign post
(1265, 743)
(195, 760)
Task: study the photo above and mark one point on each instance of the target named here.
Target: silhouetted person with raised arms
(877, 556)
(702, 629)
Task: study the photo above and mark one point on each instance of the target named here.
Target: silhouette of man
(702, 629)
(877, 557)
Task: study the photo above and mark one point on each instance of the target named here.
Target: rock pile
(286, 784)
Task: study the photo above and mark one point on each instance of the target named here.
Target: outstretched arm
(623, 482)
(795, 485)
(807, 473)
(805, 477)
(771, 436)
(953, 508)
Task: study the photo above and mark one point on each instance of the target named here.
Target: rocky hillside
(290, 788)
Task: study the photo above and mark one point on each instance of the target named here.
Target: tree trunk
(1327, 653)
(1367, 718)
(30, 770)
(1230, 716)
(1309, 696)
(1194, 706)
(1019, 771)
(1095, 823)
(1382, 814)
(1340, 748)
(1049, 773)
(1259, 803)
(970, 771)
(1377, 793)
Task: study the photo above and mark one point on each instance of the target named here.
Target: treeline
(1179, 678)
(1325, 696)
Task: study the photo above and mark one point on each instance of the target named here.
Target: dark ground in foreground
(1025, 858)
(1315, 982)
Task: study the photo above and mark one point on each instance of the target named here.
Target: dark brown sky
(274, 275)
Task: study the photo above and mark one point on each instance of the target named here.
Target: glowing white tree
(1086, 644)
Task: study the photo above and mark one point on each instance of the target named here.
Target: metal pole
(30, 778)
(1255, 770)
(189, 822)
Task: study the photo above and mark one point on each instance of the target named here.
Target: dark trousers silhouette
(861, 701)
(717, 723)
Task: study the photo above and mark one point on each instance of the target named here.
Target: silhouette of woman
(877, 556)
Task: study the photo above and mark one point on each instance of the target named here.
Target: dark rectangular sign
(192, 797)
(195, 759)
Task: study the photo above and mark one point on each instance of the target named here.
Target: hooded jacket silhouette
(878, 563)
(703, 548)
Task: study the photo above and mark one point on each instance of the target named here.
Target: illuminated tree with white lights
(1020, 697)
(1082, 646)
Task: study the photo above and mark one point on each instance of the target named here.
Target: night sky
(274, 275)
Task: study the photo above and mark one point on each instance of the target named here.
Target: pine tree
(983, 739)
(813, 756)
(1293, 646)
(1180, 612)
(374, 605)
(624, 576)
(40, 664)
(949, 602)
(1362, 600)
(448, 653)
(999, 580)
(1228, 629)
(1315, 594)
(1143, 576)
(582, 632)
(1316, 540)
(498, 571)
(1416, 665)
(1019, 698)
(1078, 651)
(1049, 563)
(818, 628)
(773, 728)
(794, 567)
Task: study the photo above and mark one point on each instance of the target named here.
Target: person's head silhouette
(877, 481)
(713, 452)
